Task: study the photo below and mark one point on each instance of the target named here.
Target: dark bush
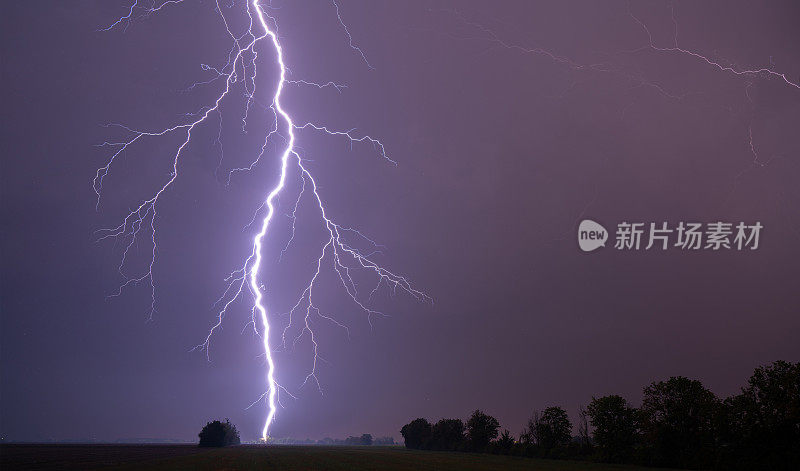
(217, 434)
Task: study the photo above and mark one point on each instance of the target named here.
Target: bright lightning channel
(341, 253)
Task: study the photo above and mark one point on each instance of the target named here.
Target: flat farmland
(284, 458)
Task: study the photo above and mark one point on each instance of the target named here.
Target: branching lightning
(675, 48)
(748, 75)
(338, 252)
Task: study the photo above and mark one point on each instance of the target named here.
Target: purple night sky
(510, 122)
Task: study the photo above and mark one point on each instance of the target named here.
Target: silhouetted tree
(481, 429)
(760, 427)
(363, 440)
(383, 441)
(447, 434)
(677, 421)
(584, 441)
(416, 433)
(553, 428)
(505, 443)
(528, 435)
(614, 422)
(216, 434)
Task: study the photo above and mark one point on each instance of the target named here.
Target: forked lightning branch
(258, 45)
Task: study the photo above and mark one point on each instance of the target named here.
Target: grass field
(284, 458)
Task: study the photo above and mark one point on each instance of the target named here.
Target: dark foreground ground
(284, 458)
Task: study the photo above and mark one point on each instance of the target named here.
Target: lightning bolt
(339, 252)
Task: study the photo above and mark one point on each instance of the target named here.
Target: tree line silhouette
(679, 424)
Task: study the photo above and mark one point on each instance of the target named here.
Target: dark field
(190, 457)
